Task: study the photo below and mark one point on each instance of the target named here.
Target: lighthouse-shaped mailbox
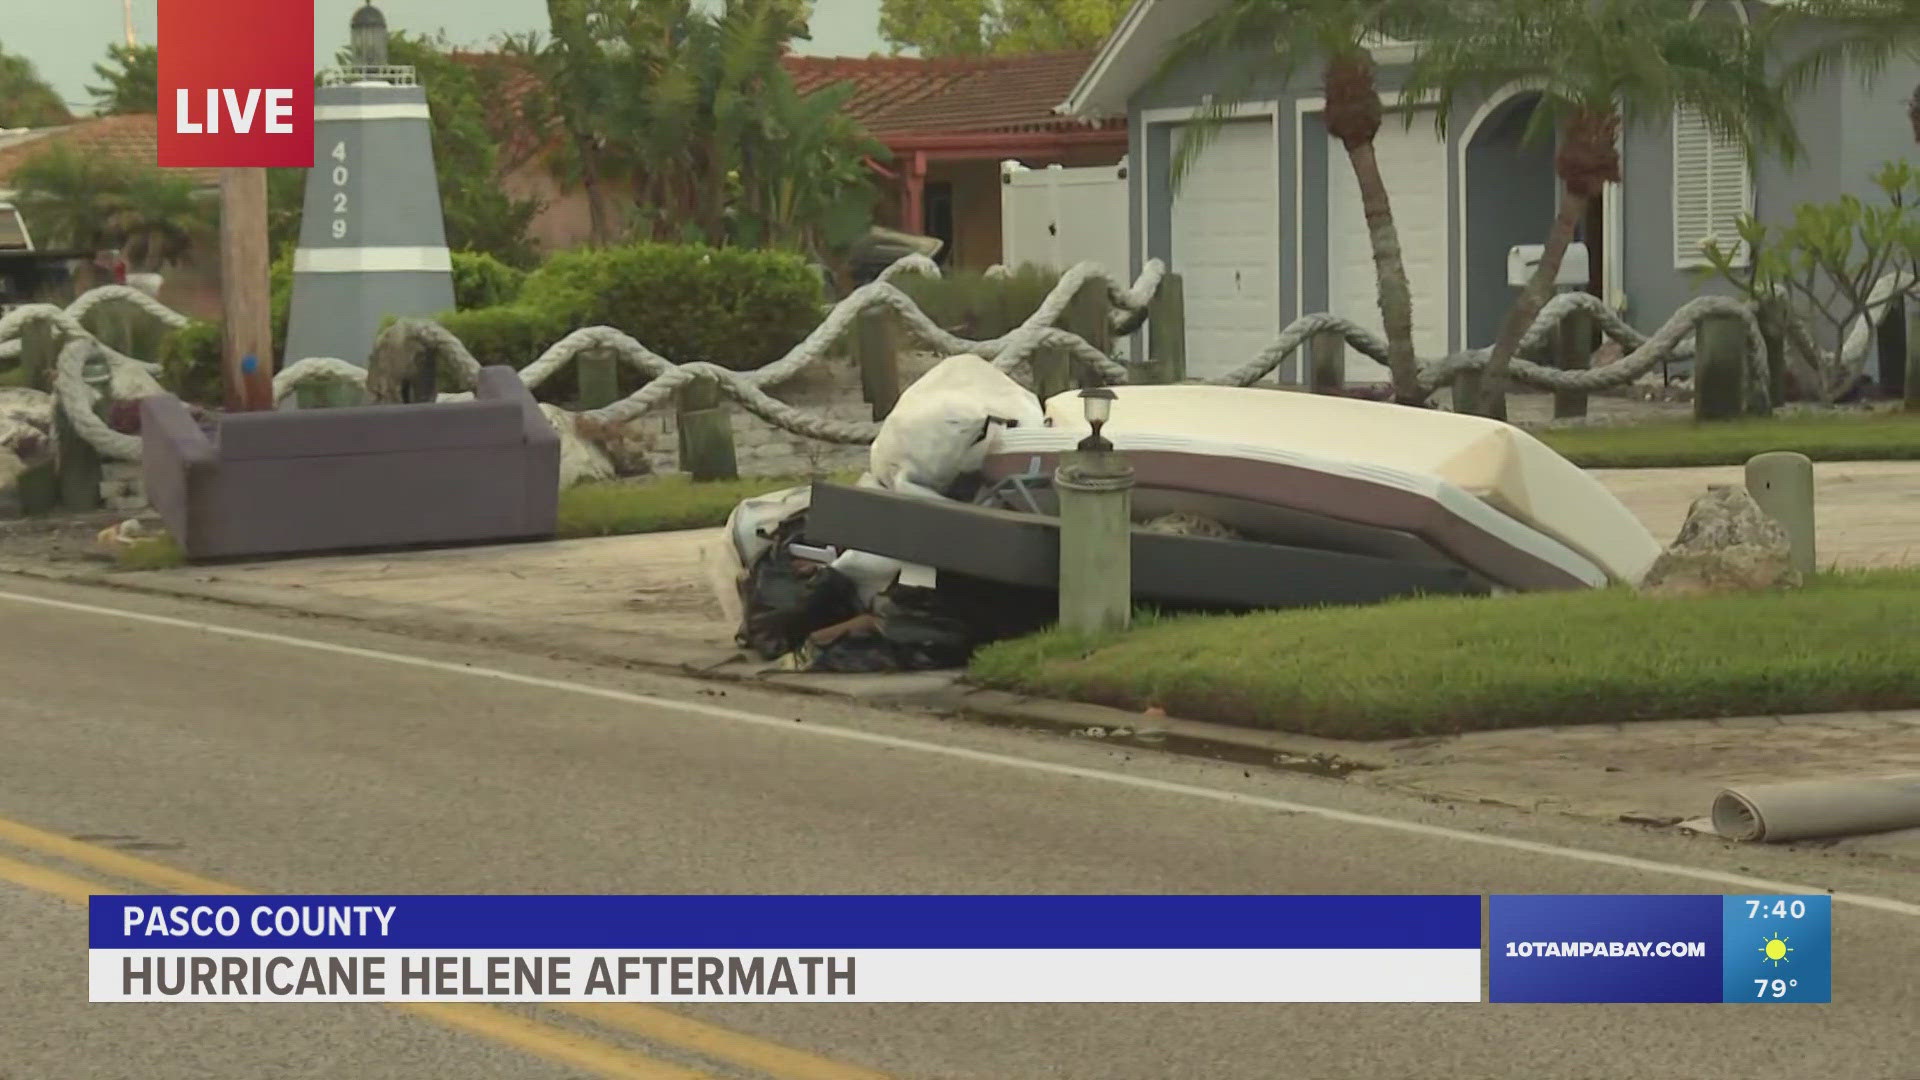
(372, 239)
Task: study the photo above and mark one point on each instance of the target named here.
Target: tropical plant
(1259, 40)
(997, 27)
(69, 196)
(131, 77)
(90, 202)
(1599, 65)
(1836, 267)
(1872, 34)
(693, 114)
(26, 100)
(159, 217)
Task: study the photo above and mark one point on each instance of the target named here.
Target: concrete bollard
(876, 350)
(1782, 483)
(706, 432)
(1467, 386)
(1096, 541)
(1167, 333)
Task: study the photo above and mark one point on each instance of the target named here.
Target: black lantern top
(369, 37)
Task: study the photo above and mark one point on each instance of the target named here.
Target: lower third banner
(1104, 949)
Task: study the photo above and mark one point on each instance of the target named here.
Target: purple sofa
(270, 483)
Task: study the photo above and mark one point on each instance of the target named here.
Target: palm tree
(69, 196)
(1599, 64)
(130, 80)
(1273, 39)
(1873, 33)
(161, 217)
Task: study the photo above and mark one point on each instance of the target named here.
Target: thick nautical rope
(1011, 352)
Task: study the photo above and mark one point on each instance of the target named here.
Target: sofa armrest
(502, 383)
(166, 425)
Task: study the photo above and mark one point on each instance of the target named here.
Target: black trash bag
(785, 598)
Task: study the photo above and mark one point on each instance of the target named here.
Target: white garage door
(1413, 162)
(1226, 248)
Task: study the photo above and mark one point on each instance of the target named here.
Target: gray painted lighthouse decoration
(372, 239)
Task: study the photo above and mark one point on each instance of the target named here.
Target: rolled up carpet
(1806, 809)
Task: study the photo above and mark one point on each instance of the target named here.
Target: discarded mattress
(1369, 463)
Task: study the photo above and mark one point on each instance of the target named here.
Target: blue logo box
(1696, 948)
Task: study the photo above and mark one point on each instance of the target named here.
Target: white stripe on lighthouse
(354, 260)
(416, 110)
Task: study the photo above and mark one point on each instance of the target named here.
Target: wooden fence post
(706, 432)
(1327, 362)
(1720, 367)
(1573, 351)
(1912, 397)
(1055, 370)
(1773, 331)
(1467, 384)
(877, 352)
(77, 461)
(1167, 332)
(599, 378)
(39, 350)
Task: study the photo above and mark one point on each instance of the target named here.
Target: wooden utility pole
(247, 356)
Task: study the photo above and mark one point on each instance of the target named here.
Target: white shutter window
(1712, 188)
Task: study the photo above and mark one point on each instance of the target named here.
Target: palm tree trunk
(1396, 295)
(1573, 210)
(597, 224)
(1913, 113)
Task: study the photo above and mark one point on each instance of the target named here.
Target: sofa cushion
(369, 429)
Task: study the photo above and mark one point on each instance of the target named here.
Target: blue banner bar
(784, 922)
(1692, 948)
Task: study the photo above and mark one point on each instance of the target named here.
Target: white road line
(829, 731)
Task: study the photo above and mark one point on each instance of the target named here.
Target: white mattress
(1510, 470)
(1012, 445)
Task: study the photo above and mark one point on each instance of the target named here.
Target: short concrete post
(1720, 367)
(1167, 332)
(876, 351)
(1572, 351)
(1052, 372)
(1327, 362)
(599, 375)
(706, 432)
(1782, 483)
(1096, 541)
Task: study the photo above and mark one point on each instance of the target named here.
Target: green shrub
(482, 281)
(729, 306)
(190, 362)
(972, 305)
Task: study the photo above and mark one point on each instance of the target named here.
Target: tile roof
(133, 139)
(898, 95)
(892, 95)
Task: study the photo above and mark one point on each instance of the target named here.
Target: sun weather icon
(1775, 949)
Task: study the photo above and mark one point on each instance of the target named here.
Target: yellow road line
(106, 860)
(719, 1043)
(557, 1044)
(40, 879)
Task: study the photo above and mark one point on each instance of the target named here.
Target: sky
(65, 38)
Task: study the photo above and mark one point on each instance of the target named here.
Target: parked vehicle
(27, 273)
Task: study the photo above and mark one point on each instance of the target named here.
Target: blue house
(1267, 225)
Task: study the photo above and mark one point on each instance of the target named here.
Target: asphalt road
(145, 755)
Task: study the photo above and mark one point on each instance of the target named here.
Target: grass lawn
(662, 504)
(1880, 436)
(1442, 665)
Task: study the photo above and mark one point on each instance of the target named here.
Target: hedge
(972, 305)
(737, 308)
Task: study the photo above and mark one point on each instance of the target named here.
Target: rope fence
(414, 341)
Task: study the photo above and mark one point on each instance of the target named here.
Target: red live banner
(236, 83)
